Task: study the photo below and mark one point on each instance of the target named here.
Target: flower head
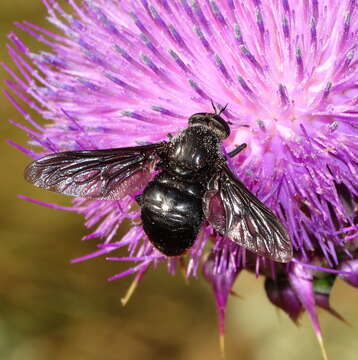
(128, 73)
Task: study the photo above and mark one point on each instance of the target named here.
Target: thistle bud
(283, 296)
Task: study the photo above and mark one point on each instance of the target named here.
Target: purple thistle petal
(320, 268)
(49, 205)
(351, 269)
(301, 281)
(220, 271)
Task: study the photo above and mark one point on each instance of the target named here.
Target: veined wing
(235, 212)
(96, 174)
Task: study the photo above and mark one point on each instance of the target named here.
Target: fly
(194, 184)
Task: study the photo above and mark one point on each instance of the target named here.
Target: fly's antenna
(223, 109)
(216, 110)
(213, 105)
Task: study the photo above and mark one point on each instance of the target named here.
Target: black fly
(193, 184)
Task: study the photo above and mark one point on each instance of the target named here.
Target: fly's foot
(233, 153)
(139, 199)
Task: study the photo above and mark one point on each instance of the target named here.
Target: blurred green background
(50, 309)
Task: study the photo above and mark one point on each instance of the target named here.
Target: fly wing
(238, 214)
(96, 174)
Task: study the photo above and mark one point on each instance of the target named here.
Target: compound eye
(221, 127)
(198, 118)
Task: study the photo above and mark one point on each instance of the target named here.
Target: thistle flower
(127, 73)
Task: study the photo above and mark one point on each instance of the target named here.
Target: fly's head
(213, 121)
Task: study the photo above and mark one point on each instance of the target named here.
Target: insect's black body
(171, 215)
(172, 202)
(193, 185)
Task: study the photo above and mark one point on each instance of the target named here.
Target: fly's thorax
(193, 152)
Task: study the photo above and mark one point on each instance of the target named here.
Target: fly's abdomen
(171, 217)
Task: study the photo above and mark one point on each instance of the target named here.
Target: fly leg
(139, 199)
(233, 153)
